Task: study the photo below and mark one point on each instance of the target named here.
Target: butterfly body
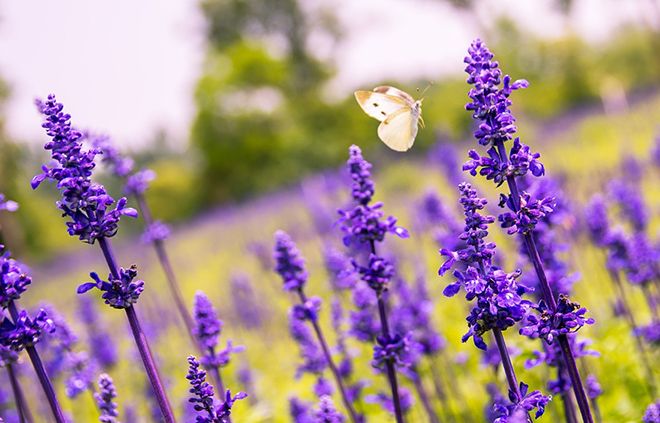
(399, 115)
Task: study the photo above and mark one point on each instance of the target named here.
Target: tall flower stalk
(290, 265)
(364, 226)
(156, 232)
(498, 297)
(92, 219)
(496, 126)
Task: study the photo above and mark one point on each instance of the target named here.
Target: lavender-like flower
(245, 302)
(105, 399)
(300, 411)
(202, 396)
(119, 164)
(326, 412)
(92, 218)
(489, 105)
(13, 280)
(7, 205)
(290, 265)
(207, 331)
(363, 225)
(652, 413)
(103, 351)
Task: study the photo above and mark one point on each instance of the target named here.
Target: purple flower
(595, 216)
(156, 231)
(224, 410)
(247, 307)
(120, 165)
(377, 273)
(594, 389)
(13, 279)
(652, 413)
(101, 347)
(207, 325)
(364, 222)
(323, 387)
(397, 349)
(202, 392)
(499, 302)
(326, 412)
(530, 213)
(138, 183)
(105, 399)
(309, 310)
(119, 292)
(7, 205)
(567, 318)
(650, 332)
(630, 200)
(300, 411)
(25, 331)
(84, 202)
(340, 269)
(313, 359)
(364, 325)
(289, 263)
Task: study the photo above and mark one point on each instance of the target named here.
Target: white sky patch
(127, 68)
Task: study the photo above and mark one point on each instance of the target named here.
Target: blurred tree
(262, 119)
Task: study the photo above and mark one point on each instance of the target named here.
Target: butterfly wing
(379, 105)
(399, 130)
(395, 92)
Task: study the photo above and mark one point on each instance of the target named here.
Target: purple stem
(331, 363)
(511, 379)
(535, 259)
(41, 372)
(140, 340)
(165, 263)
(650, 298)
(385, 330)
(24, 414)
(424, 397)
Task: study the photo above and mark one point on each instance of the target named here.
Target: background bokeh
(244, 110)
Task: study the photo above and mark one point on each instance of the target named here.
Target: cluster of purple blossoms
(202, 396)
(86, 203)
(207, 331)
(22, 331)
(289, 263)
(364, 222)
(326, 412)
(105, 399)
(499, 302)
(104, 352)
(517, 410)
(652, 413)
(567, 318)
(120, 165)
(121, 292)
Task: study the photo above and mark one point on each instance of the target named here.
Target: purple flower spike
(364, 223)
(13, 279)
(289, 263)
(568, 318)
(138, 183)
(117, 293)
(25, 331)
(208, 326)
(326, 412)
(85, 203)
(120, 165)
(377, 273)
(652, 413)
(105, 399)
(400, 350)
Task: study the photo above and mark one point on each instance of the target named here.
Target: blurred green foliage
(263, 120)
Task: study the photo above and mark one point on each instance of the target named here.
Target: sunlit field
(280, 263)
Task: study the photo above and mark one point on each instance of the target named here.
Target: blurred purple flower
(7, 205)
(156, 231)
(120, 165)
(326, 412)
(105, 399)
(289, 263)
(99, 340)
(138, 183)
(13, 278)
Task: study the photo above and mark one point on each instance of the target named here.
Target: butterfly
(399, 115)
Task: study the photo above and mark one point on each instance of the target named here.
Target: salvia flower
(13, 279)
(250, 312)
(652, 413)
(595, 216)
(105, 399)
(117, 293)
(7, 205)
(300, 411)
(629, 198)
(377, 273)
(339, 268)
(85, 203)
(364, 325)
(397, 349)
(138, 183)
(207, 331)
(567, 318)
(364, 222)
(594, 390)
(289, 263)
(25, 331)
(313, 359)
(499, 302)
(326, 412)
(156, 231)
(104, 352)
(530, 213)
(202, 396)
(120, 165)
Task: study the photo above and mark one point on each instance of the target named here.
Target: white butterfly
(399, 115)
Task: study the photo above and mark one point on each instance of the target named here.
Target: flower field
(333, 311)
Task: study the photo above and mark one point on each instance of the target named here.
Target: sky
(128, 68)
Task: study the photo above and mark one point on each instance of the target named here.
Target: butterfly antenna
(425, 90)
